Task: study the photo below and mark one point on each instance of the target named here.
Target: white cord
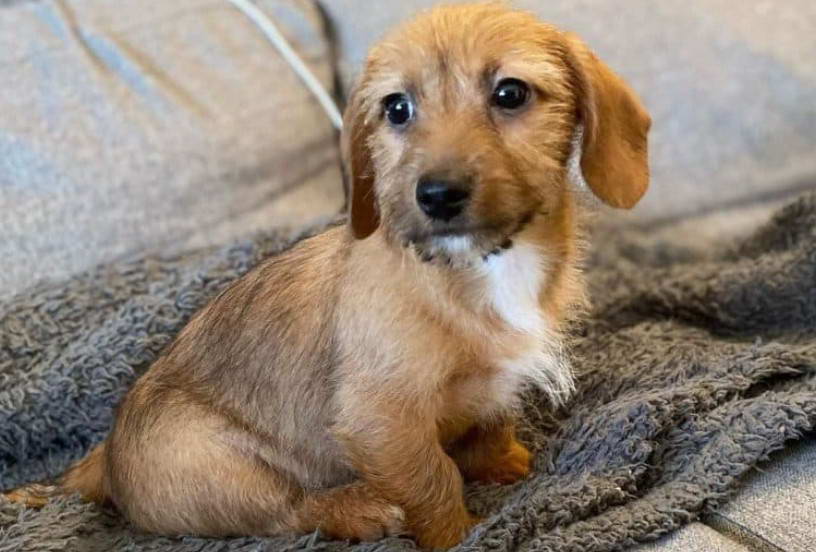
(292, 58)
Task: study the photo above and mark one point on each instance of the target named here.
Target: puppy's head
(462, 124)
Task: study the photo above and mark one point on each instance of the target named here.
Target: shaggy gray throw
(693, 367)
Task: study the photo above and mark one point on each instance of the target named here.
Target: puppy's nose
(441, 199)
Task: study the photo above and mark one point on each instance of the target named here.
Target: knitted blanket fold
(693, 366)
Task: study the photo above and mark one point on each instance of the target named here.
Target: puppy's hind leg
(354, 511)
(196, 473)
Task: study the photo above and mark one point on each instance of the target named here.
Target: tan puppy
(353, 382)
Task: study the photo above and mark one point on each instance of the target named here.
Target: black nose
(441, 199)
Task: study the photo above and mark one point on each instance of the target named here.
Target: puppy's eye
(398, 109)
(511, 94)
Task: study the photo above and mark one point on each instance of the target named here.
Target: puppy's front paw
(367, 521)
(508, 468)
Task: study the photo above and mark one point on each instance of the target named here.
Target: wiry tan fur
(352, 383)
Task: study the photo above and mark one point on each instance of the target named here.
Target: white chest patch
(514, 280)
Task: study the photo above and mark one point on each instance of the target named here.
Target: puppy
(354, 382)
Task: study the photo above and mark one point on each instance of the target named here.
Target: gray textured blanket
(692, 368)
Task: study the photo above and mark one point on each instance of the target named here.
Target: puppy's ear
(615, 160)
(363, 215)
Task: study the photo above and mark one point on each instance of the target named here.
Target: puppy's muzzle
(442, 198)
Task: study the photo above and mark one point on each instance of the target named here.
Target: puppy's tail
(86, 477)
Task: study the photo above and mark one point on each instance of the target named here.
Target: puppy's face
(461, 128)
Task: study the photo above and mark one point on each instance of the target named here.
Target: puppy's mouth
(460, 231)
(466, 243)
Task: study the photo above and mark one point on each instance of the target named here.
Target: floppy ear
(615, 160)
(363, 215)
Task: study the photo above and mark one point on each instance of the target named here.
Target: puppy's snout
(442, 198)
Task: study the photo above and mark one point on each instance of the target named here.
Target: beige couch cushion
(127, 126)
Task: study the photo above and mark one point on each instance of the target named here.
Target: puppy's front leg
(490, 453)
(397, 451)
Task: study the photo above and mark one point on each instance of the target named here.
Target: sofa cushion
(772, 512)
(694, 537)
(732, 91)
(147, 124)
(777, 503)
